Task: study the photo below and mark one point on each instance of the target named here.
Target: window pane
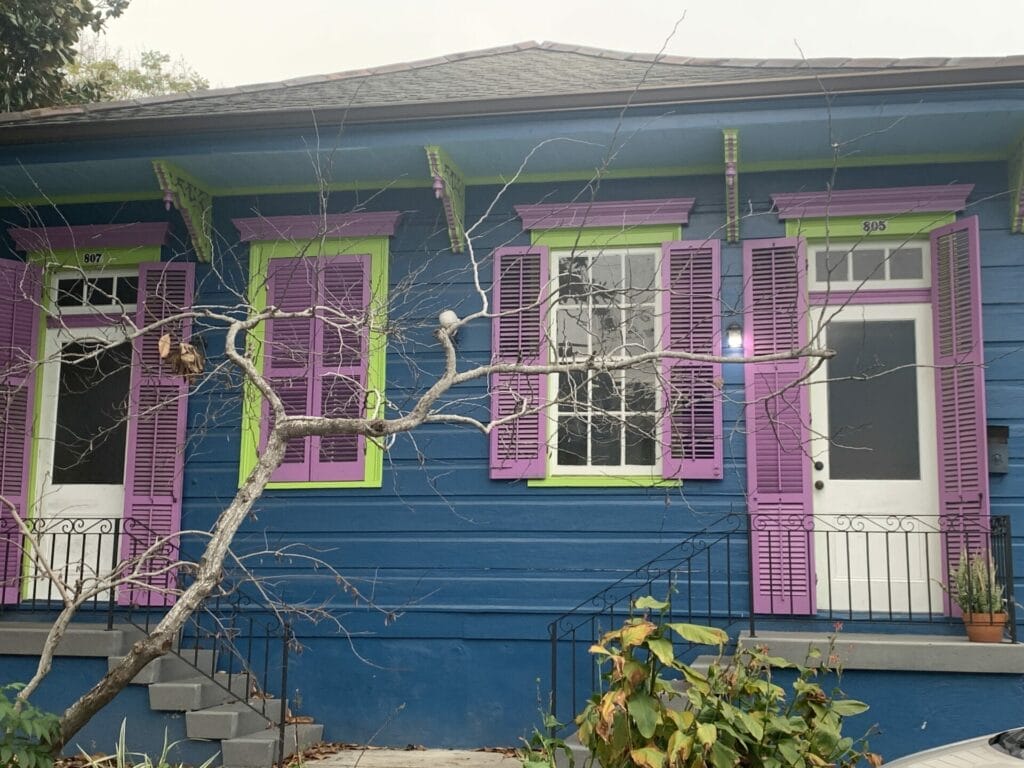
(127, 290)
(640, 330)
(641, 279)
(906, 264)
(92, 397)
(572, 391)
(869, 265)
(572, 279)
(100, 290)
(640, 440)
(607, 276)
(572, 441)
(573, 332)
(606, 391)
(605, 443)
(640, 385)
(831, 266)
(70, 292)
(607, 330)
(873, 421)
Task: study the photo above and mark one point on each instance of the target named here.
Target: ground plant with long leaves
(657, 712)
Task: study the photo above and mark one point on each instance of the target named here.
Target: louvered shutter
(960, 388)
(20, 292)
(775, 307)
(518, 335)
(156, 435)
(339, 367)
(692, 428)
(288, 351)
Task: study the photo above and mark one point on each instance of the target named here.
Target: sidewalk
(402, 758)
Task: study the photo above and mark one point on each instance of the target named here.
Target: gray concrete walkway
(403, 758)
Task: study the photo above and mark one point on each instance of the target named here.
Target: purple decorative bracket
(60, 238)
(947, 198)
(364, 224)
(619, 213)
(193, 201)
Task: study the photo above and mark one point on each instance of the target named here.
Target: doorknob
(819, 484)
(819, 465)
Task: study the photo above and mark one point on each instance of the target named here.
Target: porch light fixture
(734, 337)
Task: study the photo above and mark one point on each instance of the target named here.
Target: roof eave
(893, 80)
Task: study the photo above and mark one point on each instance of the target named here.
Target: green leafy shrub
(733, 715)
(28, 733)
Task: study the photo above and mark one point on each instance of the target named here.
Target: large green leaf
(707, 733)
(849, 707)
(696, 633)
(648, 757)
(662, 648)
(644, 711)
(649, 603)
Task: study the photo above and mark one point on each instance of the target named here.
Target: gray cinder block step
(195, 693)
(24, 638)
(170, 667)
(259, 750)
(226, 721)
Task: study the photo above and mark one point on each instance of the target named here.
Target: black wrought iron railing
(868, 571)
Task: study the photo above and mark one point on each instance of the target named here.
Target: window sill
(599, 481)
(897, 652)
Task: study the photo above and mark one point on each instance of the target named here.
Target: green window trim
(260, 254)
(857, 227)
(74, 258)
(643, 236)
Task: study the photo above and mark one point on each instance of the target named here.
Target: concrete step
(195, 693)
(170, 667)
(259, 750)
(227, 721)
(26, 638)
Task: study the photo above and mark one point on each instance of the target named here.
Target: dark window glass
(572, 441)
(127, 291)
(92, 399)
(832, 266)
(872, 401)
(906, 264)
(640, 440)
(605, 447)
(70, 292)
(100, 290)
(606, 392)
(869, 265)
(572, 391)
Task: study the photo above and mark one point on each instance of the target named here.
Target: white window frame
(55, 310)
(830, 283)
(588, 470)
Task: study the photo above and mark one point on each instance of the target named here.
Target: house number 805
(874, 225)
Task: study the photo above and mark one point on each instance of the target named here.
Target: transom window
(605, 308)
(107, 291)
(870, 264)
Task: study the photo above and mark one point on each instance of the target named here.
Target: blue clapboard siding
(478, 568)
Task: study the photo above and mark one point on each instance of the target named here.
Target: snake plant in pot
(975, 588)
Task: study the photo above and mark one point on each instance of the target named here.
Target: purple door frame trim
(363, 224)
(946, 198)
(617, 213)
(60, 238)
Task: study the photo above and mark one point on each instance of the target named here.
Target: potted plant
(975, 589)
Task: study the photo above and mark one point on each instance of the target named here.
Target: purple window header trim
(364, 224)
(899, 296)
(619, 213)
(60, 238)
(946, 198)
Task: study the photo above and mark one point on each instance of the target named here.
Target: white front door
(877, 540)
(82, 429)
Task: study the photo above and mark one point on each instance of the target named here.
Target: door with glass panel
(875, 497)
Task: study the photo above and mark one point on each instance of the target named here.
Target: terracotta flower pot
(985, 627)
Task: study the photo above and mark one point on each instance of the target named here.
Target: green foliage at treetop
(37, 44)
(117, 77)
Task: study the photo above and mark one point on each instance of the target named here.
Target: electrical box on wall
(998, 449)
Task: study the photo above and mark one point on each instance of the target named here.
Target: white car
(1000, 750)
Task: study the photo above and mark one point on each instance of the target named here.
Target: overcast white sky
(232, 42)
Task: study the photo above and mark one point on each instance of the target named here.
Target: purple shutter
(339, 367)
(20, 293)
(692, 428)
(777, 415)
(156, 435)
(960, 388)
(519, 335)
(288, 351)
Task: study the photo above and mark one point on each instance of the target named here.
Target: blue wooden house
(603, 205)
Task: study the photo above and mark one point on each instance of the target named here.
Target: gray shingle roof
(523, 71)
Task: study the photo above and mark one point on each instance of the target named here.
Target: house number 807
(874, 225)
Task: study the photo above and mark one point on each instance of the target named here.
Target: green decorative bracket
(194, 203)
(731, 140)
(1017, 190)
(450, 189)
